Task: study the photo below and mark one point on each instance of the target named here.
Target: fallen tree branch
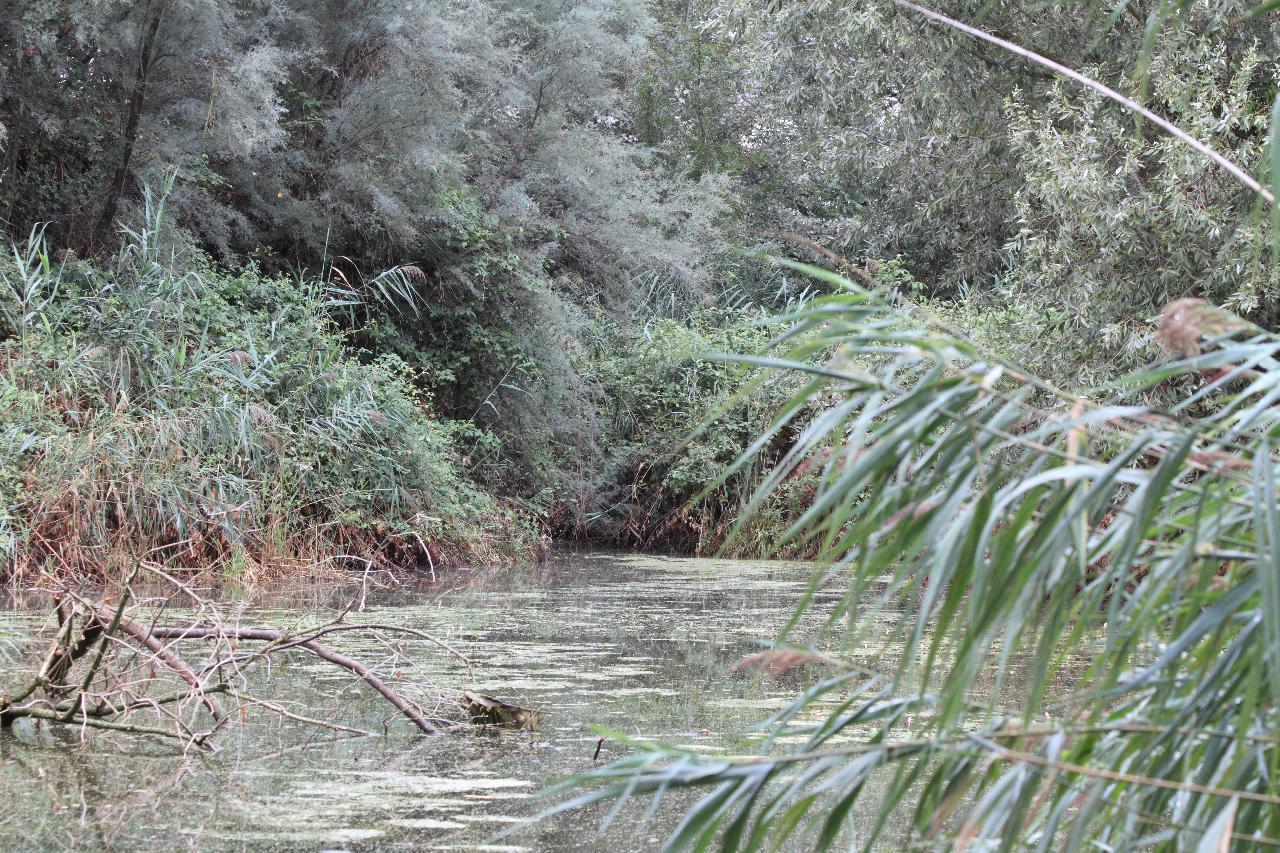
(288, 642)
(152, 642)
(38, 713)
(105, 666)
(311, 721)
(102, 634)
(272, 635)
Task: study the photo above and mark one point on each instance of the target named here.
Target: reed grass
(209, 420)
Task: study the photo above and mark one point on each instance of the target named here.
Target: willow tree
(100, 96)
(1043, 216)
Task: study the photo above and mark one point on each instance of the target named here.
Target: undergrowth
(674, 420)
(159, 409)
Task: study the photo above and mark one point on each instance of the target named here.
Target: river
(639, 644)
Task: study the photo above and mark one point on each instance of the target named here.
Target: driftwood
(271, 635)
(100, 671)
(491, 711)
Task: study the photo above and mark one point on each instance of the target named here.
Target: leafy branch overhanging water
(1015, 528)
(1015, 524)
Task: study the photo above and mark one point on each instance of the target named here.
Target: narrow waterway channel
(639, 644)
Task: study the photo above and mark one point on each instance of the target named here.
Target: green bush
(673, 419)
(206, 418)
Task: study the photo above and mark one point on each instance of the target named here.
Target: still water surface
(638, 644)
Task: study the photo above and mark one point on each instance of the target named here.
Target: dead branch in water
(271, 635)
(105, 667)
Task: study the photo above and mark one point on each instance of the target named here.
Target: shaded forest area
(425, 282)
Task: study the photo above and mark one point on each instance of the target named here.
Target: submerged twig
(118, 680)
(272, 635)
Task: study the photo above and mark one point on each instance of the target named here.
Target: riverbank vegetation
(352, 283)
(197, 418)
(573, 203)
(378, 317)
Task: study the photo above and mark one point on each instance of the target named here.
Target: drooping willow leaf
(1087, 640)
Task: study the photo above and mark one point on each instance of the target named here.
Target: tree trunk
(137, 99)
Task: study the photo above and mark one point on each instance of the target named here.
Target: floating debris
(491, 711)
(777, 662)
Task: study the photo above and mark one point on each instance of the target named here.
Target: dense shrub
(205, 418)
(673, 419)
